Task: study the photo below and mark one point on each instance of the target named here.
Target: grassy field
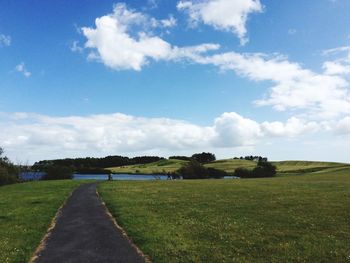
(160, 167)
(305, 166)
(283, 219)
(230, 165)
(26, 211)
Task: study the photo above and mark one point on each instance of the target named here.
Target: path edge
(124, 233)
(51, 227)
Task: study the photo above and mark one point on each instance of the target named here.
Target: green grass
(159, 167)
(283, 219)
(306, 166)
(230, 165)
(26, 211)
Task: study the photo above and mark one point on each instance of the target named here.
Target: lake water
(132, 177)
(29, 176)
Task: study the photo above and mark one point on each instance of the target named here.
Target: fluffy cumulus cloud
(114, 42)
(51, 137)
(225, 15)
(5, 40)
(294, 87)
(21, 68)
(123, 40)
(292, 128)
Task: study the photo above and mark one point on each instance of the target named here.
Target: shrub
(263, 169)
(215, 173)
(193, 170)
(56, 172)
(8, 171)
(243, 173)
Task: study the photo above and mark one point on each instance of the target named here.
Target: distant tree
(93, 163)
(8, 171)
(263, 169)
(216, 173)
(243, 173)
(56, 172)
(204, 157)
(193, 170)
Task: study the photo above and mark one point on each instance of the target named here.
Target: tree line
(93, 165)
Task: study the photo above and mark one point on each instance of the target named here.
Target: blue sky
(93, 78)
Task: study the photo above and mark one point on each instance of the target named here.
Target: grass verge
(284, 219)
(26, 211)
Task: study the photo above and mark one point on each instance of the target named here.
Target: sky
(175, 77)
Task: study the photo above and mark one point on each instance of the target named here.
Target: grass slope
(26, 211)
(230, 165)
(284, 219)
(159, 167)
(306, 166)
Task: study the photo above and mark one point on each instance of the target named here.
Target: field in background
(26, 211)
(284, 219)
(229, 165)
(159, 167)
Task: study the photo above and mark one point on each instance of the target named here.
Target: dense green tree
(204, 157)
(56, 172)
(193, 170)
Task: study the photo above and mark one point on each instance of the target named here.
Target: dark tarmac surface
(85, 233)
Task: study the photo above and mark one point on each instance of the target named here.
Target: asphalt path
(84, 232)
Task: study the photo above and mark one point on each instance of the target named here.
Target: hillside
(159, 167)
(229, 165)
(307, 166)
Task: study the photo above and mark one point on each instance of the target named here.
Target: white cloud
(116, 47)
(292, 128)
(294, 87)
(336, 68)
(120, 42)
(22, 69)
(225, 15)
(5, 40)
(43, 137)
(75, 47)
(343, 126)
(169, 22)
(339, 65)
(232, 130)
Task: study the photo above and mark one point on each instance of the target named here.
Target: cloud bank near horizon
(45, 137)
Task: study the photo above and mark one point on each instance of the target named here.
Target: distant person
(110, 178)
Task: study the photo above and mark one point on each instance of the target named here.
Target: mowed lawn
(26, 211)
(284, 219)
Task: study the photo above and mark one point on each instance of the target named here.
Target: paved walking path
(85, 233)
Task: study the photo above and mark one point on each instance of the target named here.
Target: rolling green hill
(159, 167)
(307, 166)
(229, 165)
